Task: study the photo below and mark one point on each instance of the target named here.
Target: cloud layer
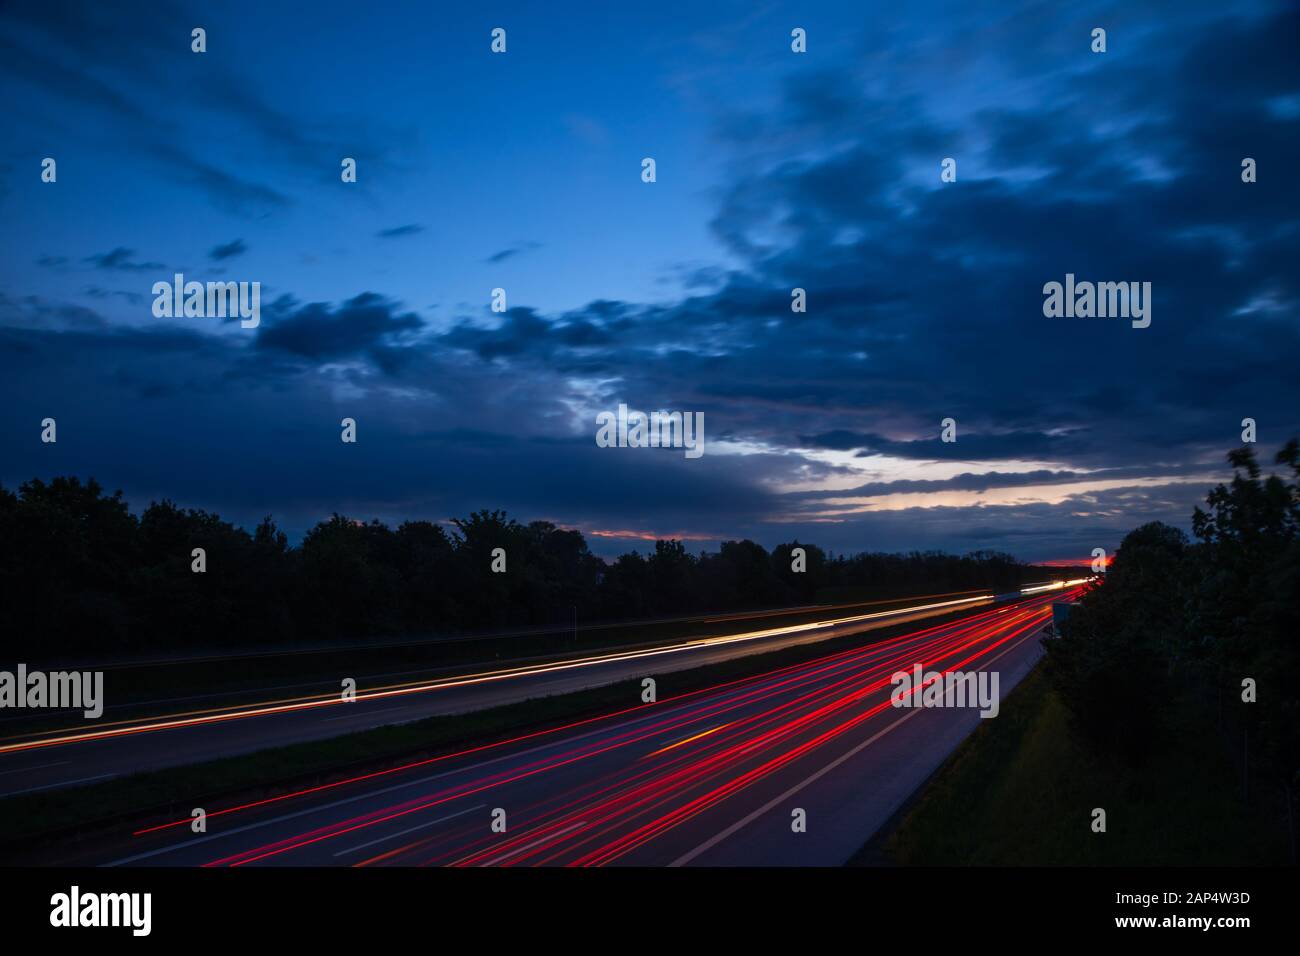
(924, 302)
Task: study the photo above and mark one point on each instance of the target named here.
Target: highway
(713, 778)
(90, 751)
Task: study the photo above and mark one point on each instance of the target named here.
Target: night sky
(775, 170)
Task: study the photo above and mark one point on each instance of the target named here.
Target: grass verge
(1021, 792)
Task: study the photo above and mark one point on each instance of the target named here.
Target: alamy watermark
(74, 908)
(1102, 300)
(217, 300)
(949, 689)
(82, 690)
(633, 429)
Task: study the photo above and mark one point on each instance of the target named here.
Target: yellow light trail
(687, 740)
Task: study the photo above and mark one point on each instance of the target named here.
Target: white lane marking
(717, 838)
(42, 766)
(62, 783)
(393, 836)
(549, 836)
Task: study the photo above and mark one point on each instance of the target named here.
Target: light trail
(194, 718)
(825, 662)
(694, 777)
(426, 802)
(712, 758)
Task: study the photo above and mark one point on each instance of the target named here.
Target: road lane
(708, 779)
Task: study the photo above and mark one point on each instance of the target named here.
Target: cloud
(228, 250)
(519, 248)
(359, 326)
(398, 232)
(924, 302)
(95, 292)
(135, 71)
(223, 188)
(121, 260)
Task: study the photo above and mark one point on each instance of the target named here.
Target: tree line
(81, 572)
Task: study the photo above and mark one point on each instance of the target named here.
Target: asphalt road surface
(717, 777)
(95, 750)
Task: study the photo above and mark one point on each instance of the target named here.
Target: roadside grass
(1021, 792)
(37, 822)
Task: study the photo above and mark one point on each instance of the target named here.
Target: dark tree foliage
(1178, 624)
(67, 564)
(83, 575)
(1112, 661)
(1245, 607)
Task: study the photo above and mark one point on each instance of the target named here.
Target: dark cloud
(398, 232)
(523, 333)
(222, 187)
(35, 312)
(316, 331)
(95, 292)
(924, 301)
(122, 259)
(228, 250)
(518, 249)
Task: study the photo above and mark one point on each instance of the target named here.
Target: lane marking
(679, 743)
(63, 783)
(549, 836)
(400, 833)
(776, 801)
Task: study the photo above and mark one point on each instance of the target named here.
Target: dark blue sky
(775, 170)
